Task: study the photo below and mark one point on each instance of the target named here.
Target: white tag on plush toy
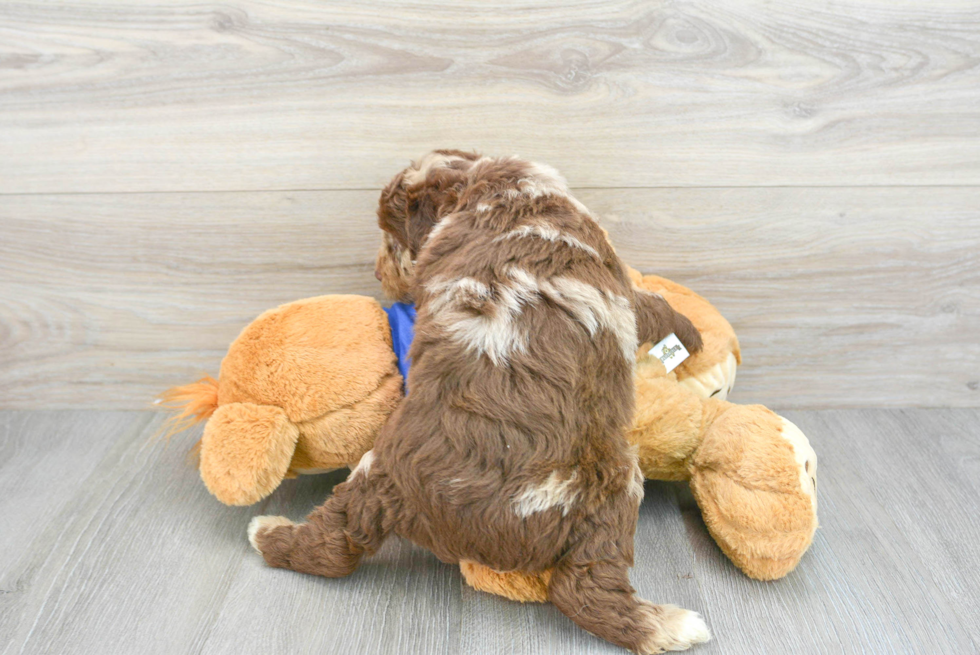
(670, 351)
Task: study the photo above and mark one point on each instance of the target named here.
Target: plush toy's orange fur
(306, 387)
(303, 389)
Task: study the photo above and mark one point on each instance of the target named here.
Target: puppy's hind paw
(672, 628)
(260, 524)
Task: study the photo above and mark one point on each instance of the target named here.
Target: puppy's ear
(429, 201)
(393, 209)
(655, 319)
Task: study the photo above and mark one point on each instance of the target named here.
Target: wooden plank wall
(168, 170)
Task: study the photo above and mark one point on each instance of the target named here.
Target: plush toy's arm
(754, 477)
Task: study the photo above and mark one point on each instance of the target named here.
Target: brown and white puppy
(510, 449)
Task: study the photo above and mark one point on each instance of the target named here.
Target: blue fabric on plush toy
(401, 318)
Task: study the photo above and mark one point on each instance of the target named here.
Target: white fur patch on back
(493, 329)
(548, 233)
(553, 492)
(485, 319)
(461, 292)
(595, 309)
(550, 182)
(443, 223)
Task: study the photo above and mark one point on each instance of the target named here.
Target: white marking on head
(548, 233)
(364, 466)
(595, 310)
(553, 492)
(415, 175)
(396, 267)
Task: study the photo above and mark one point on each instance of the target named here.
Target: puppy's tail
(191, 404)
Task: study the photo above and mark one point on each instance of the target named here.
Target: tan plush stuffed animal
(307, 386)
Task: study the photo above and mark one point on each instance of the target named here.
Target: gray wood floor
(110, 544)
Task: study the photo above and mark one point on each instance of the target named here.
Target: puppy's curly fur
(510, 450)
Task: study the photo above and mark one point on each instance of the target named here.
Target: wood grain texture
(401, 600)
(930, 484)
(157, 95)
(123, 550)
(841, 297)
(46, 459)
(140, 560)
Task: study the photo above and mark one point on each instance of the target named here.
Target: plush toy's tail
(193, 403)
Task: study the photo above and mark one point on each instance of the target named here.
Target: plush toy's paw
(716, 381)
(806, 460)
(754, 478)
(261, 524)
(672, 628)
(515, 585)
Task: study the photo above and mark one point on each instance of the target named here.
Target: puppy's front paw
(260, 524)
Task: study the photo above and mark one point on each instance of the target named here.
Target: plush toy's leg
(351, 523)
(591, 587)
(515, 585)
(754, 478)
